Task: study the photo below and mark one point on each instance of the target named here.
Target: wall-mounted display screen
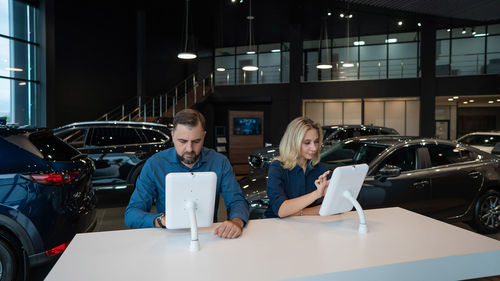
(247, 126)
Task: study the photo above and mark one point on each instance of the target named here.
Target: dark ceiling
(476, 10)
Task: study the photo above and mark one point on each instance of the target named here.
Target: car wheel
(487, 212)
(11, 260)
(134, 176)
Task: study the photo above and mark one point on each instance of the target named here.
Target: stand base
(363, 228)
(194, 246)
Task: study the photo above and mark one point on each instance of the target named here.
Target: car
(46, 197)
(442, 179)
(261, 158)
(485, 141)
(118, 148)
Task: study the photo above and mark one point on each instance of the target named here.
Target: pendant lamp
(186, 54)
(251, 51)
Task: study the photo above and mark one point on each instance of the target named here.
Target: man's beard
(191, 160)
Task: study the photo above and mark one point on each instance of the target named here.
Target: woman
(296, 180)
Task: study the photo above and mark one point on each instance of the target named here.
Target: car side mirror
(388, 171)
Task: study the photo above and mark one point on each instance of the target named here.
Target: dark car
(441, 179)
(46, 197)
(261, 158)
(119, 149)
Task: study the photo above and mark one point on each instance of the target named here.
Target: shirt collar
(309, 167)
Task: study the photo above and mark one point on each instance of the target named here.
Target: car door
(409, 190)
(456, 176)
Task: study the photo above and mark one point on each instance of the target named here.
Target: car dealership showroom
(305, 140)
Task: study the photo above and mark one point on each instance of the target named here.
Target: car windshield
(349, 153)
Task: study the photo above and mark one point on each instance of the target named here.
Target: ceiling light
(250, 51)
(391, 40)
(419, 24)
(471, 100)
(481, 34)
(233, 1)
(358, 43)
(250, 68)
(473, 32)
(490, 101)
(329, 14)
(275, 50)
(22, 83)
(464, 31)
(455, 97)
(400, 23)
(348, 64)
(221, 69)
(465, 102)
(450, 99)
(186, 56)
(187, 52)
(448, 30)
(498, 100)
(350, 16)
(13, 69)
(341, 15)
(324, 66)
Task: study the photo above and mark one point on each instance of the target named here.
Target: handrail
(144, 107)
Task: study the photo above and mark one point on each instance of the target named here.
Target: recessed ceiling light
(250, 68)
(464, 31)
(275, 50)
(448, 30)
(329, 14)
(400, 23)
(391, 40)
(465, 102)
(419, 24)
(221, 69)
(450, 99)
(471, 100)
(490, 101)
(498, 100)
(455, 97)
(341, 15)
(14, 69)
(251, 53)
(22, 83)
(358, 43)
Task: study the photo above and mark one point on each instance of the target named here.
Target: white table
(400, 245)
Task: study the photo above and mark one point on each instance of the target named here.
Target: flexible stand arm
(362, 222)
(195, 243)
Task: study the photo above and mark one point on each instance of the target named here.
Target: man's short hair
(190, 118)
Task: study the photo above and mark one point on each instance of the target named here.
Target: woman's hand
(322, 184)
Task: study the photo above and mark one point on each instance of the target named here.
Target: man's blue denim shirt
(151, 186)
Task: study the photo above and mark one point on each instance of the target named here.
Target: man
(187, 155)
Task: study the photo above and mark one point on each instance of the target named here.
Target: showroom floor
(110, 210)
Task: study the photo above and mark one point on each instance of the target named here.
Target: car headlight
(255, 161)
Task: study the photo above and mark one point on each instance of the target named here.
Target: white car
(485, 141)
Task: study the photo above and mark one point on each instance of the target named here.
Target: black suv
(261, 158)
(46, 197)
(119, 149)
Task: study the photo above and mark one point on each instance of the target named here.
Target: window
(20, 99)
(483, 140)
(74, 137)
(444, 155)
(114, 136)
(154, 136)
(404, 158)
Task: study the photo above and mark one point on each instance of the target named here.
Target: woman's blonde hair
(292, 140)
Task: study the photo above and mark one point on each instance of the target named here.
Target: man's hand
(230, 228)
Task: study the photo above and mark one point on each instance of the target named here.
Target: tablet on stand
(342, 192)
(190, 202)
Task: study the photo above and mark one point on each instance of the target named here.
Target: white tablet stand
(342, 192)
(190, 202)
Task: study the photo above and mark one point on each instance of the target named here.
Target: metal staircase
(152, 109)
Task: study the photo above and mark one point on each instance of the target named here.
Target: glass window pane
(464, 32)
(403, 60)
(4, 17)
(493, 56)
(493, 44)
(269, 48)
(312, 44)
(311, 72)
(373, 62)
(246, 77)
(373, 39)
(442, 57)
(285, 67)
(467, 56)
(494, 29)
(225, 51)
(442, 34)
(269, 67)
(5, 85)
(404, 37)
(14, 57)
